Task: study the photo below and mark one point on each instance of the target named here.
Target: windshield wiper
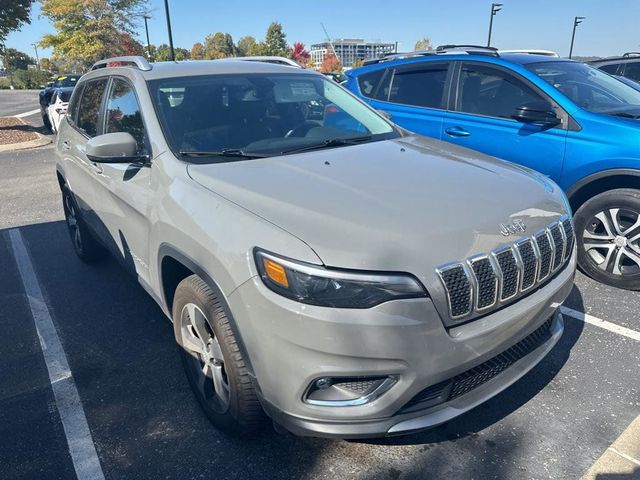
(332, 142)
(225, 152)
(624, 114)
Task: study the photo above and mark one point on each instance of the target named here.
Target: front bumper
(291, 344)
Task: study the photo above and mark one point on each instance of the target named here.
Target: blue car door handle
(457, 132)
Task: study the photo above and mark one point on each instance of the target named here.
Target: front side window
(89, 108)
(611, 68)
(589, 87)
(122, 113)
(261, 114)
(419, 86)
(491, 92)
(632, 71)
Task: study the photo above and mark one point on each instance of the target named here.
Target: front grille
(486, 282)
(467, 381)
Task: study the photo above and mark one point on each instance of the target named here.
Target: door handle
(66, 145)
(457, 132)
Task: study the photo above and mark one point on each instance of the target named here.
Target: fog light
(347, 391)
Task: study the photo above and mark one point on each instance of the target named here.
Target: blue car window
(611, 68)
(491, 92)
(420, 87)
(632, 71)
(370, 84)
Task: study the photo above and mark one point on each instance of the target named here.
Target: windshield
(68, 81)
(588, 87)
(261, 114)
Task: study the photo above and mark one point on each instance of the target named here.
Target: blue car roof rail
(469, 49)
(631, 54)
(441, 50)
(129, 61)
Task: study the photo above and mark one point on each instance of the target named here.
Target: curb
(621, 459)
(38, 142)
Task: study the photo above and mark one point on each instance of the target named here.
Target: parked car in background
(628, 65)
(570, 121)
(337, 77)
(348, 278)
(61, 81)
(58, 106)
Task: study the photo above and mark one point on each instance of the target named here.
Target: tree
(89, 30)
(330, 63)
(219, 45)
(13, 13)
(48, 66)
(299, 54)
(30, 78)
(197, 51)
(17, 60)
(181, 54)
(423, 44)
(275, 42)
(129, 45)
(247, 46)
(161, 53)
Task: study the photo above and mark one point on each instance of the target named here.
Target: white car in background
(58, 106)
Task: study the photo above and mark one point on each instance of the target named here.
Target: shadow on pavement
(146, 423)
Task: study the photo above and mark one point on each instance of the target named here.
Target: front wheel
(608, 234)
(214, 365)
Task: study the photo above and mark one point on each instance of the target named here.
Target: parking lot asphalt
(146, 424)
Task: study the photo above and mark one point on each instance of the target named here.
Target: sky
(611, 26)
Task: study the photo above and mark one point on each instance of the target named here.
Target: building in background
(350, 49)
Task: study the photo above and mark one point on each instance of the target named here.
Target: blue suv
(574, 123)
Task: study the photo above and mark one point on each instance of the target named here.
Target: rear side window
(632, 71)
(371, 84)
(491, 92)
(612, 68)
(89, 109)
(420, 87)
(123, 112)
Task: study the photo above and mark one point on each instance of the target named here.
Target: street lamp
(171, 52)
(35, 46)
(495, 8)
(576, 21)
(146, 29)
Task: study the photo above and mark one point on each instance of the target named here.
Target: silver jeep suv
(319, 264)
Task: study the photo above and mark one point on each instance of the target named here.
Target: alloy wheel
(72, 222)
(206, 357)
(611, 241)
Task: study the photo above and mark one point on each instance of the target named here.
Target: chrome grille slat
(488, 281)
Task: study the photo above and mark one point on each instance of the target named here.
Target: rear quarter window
(372, 84)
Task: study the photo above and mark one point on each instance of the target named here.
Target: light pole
(495, 8)
(35, 46)
(166, 9)
(576, 21)
(146, 29)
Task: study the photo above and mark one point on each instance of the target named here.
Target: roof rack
(544, 53)
(469, 49)
(398, 55)
(268, 59)
(631, 54)
(130, 61)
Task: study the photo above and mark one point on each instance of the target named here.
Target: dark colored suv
(628, 65)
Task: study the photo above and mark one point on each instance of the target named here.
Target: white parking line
(27, 114)
(81, 447)
(591, 320)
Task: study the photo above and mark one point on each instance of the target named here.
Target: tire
(215, 368)
(87, 248)
(608, 238)
(47, 123)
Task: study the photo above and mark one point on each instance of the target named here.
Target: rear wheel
(84, 244)
(214, 365)
(608, 234)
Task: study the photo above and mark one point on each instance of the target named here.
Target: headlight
(316, 285)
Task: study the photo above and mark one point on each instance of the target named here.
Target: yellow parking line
(621, 459)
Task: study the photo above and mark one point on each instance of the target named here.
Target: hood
(406, 205)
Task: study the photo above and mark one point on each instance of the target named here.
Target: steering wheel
(301, 130)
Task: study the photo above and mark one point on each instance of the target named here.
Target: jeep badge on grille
(518, 226)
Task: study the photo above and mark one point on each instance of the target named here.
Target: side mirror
(118, 147)
(538, 113)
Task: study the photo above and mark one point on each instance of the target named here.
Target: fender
(571, 191)
(167, 250)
